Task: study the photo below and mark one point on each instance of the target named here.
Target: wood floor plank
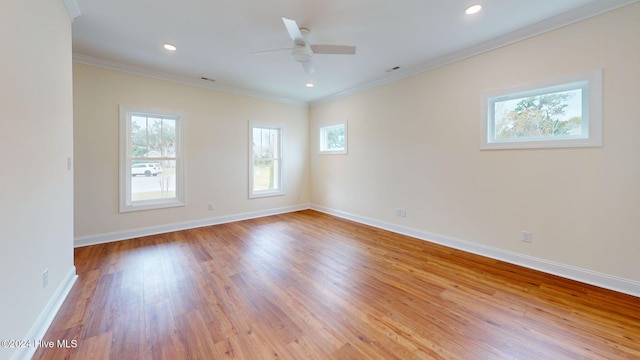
(162, 338)
(95, 347)
(311, 317)
(306, 348)
(102, 313)
(228, 348)
(129, 333)
(307, 285)
(194, 335)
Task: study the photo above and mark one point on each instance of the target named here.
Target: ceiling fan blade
(333, 49)
(268, 51)
(294, 31)
(308, 66)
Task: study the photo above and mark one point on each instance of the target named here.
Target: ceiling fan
(303, 51)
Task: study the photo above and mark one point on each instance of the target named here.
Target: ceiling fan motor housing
(302, 53)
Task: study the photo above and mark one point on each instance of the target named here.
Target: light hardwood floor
(306, 285)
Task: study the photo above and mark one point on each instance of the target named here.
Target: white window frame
(591, 136)
(322, 138)
(279, 157)
(126, 204)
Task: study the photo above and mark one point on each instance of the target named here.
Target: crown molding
(72, 8)
(570, 17)
(161, 75)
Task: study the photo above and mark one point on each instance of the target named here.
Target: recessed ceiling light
(473, 9)
(309, 85)
(169, 47)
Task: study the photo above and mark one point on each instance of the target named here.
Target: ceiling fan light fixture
(473, 9)
(170, 47)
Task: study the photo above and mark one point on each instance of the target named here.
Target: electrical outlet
(401, 212)
(211, 207)
(45, 278)
(525, 236)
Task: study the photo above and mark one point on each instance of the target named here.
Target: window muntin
(150, 162)
(333, 139)
(265, 164)
(564, 112)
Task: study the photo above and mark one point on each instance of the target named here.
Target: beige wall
(36, 188)
(414, 144)
(216, 147)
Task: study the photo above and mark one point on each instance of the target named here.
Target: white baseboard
(570, 272)
(40, 327)
(160, 229)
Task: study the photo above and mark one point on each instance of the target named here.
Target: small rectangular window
(564, 112)
(333, 139)
(265, 164)
(150, 160)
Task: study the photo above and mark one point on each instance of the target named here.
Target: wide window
(333, 139)
(150, 160)
(265, 164)
(563, 112)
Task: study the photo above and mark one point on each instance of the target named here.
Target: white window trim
(266, 193)
(321, 140)
(125, 203)
(592, 107)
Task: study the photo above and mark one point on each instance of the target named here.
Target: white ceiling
(216, 39)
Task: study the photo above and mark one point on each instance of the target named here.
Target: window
(265, 164)
(333, 139)
(151, 170)
(564, 112)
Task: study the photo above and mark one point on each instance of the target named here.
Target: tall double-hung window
(265, 163)
(151, 160)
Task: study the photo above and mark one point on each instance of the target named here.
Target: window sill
(152, 205)
(264, 194)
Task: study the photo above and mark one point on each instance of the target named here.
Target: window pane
(265, 143)
(138, 136)
(155, 180)
(274, 135)
(332, 138)
(264, 175)
(168, 142)
(154, 137)
(557, 114)
(257, 143)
